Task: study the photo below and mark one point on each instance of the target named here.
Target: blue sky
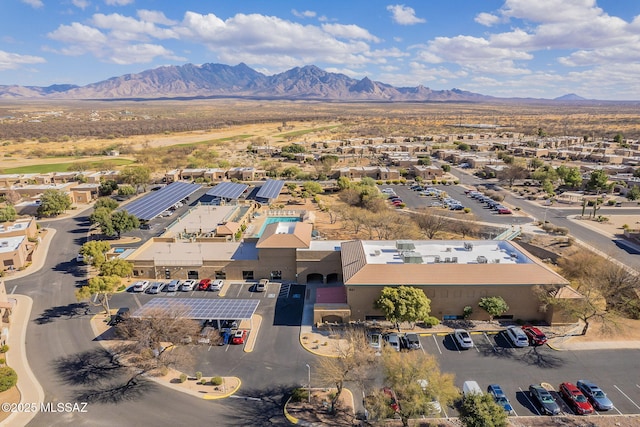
(524, 48)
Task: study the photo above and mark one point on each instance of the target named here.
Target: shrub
(4, 348)
(183, 377)
(2, 361)
(8, 378)
(164, 370)
(466, 312)
(198, 375)
(466, 210)
(431, 321)
(561, 230)
(299, 395)
(216, 380)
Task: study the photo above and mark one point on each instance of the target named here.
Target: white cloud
(487, 19)
(404, 15)
(349, 32)
(155, 17)
(11, 61)
(34, 3)
(303, 14)
(267, 40)
(82, 4)
(118, 2)
(116, 46)
(127, 28)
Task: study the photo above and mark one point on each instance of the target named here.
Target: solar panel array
(270, 189)
(201, 309)
(151, 205)
(227, 190)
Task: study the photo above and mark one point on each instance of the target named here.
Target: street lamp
(309, 383)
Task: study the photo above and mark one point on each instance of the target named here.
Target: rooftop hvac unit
(468, 246)
(4, 244)
(481, 259)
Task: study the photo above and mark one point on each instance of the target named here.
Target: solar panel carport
(151, 205)
(227, 190)
(201, 309)
(270, 190)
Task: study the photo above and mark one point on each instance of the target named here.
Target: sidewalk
(31, 392)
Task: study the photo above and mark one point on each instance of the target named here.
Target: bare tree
(156, 342)
(353, 363)
(513, 172)
(430, 222)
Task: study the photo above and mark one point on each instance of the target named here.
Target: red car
(504, 211)
(535, 335)
(239, 337)
(204, 284)
(575, 399)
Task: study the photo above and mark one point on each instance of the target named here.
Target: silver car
(155, 288)
(596, 396)
(517, 336)
(463, 338)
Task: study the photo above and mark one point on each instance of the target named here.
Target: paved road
(60, 350)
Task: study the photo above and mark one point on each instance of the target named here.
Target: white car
(141, 286)
(155, 288)
(517, 336)
(463, 338)
(216, 285)
(173, 286)
(188, 285)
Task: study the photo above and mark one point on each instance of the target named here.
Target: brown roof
(228, 228)
(299, 237)
(567, 292)
(356, 271)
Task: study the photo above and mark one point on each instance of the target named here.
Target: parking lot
(414, 200)
(494, 360)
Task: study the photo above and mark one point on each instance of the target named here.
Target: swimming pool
(272, 219)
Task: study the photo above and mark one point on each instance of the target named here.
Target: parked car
(393, 400)
(204, 284)
(226, 336)
(121, 315)
(188, 285)
(239, 336)
(535, 335)
(155, 288)
(546, 401)
(413, 342)
(141, 286)
(392, 340)
(463, 338)
(471, 387)
(504, 211)
(261, 286)
(517, 336)
(574, 397)
(173, 286)
(375, 341)
(216, 285)
(596, 396)
(498, 395)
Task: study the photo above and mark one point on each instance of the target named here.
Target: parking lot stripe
(437, 345)
(623, 393)
(135, 298)
(489, 341)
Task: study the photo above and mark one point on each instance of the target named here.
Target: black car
(546, 401)
(121, 315)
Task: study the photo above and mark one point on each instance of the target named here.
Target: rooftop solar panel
(151, 205)
(270, 189)
(201, 309)
(227, 190)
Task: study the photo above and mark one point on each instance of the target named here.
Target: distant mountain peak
(570, 97)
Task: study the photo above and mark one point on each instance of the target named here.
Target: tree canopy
(480, 410)
(403, 304)
(136, 176)
(53, 202)
(123, 221)
(598, 179)
(105, 202)
(116, 267)
(8, 213)
(94, 252)
(101, 286)
(495, 306)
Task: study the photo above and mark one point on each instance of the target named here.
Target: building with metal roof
(269, 191)
(154, 203)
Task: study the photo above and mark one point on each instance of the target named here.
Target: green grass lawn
(67, 166)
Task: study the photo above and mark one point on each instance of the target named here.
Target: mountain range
(220, 80)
